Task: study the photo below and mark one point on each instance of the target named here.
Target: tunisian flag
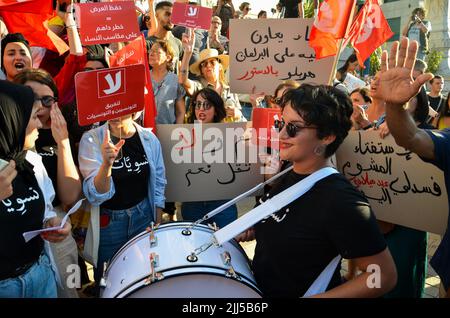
(330, 26)
(27, 6)
(30, 19)
(369, 31)
(136, 53)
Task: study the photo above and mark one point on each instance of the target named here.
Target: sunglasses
(291, 129)
(275, 100)
(212, 62)
(199, 104)
(46, 101)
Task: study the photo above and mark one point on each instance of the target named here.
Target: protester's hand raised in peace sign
(397, 86)
(109, 150)
(188, 40)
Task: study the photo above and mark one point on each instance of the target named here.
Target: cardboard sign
(266, 52)
(207, 162)
(401, 188)
(108, 22)
(191, 16)
(263, 121)
(109, 93)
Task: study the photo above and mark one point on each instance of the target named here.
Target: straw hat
(209, 54)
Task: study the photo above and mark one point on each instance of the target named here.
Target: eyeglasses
(199, 104)
(146, 18)
(291, 129)
(92, 68)
(46, 101)
(275, 100)
(248, 9)
(212, 62)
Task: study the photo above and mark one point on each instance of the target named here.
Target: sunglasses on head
(291, 129)
(199, 104)
(46, 101)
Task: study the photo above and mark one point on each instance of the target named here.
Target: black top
(21, 212)
(436, 102)
(46, 147)
(295, 244)
(130, 175)
(291, 8)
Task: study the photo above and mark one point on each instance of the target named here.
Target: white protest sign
(266, 52)
(401, 188)
(352, 82)
(208, 162)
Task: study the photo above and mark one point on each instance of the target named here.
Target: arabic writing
(106, 8)
(21, 202)
(117, 37)
(125, 162)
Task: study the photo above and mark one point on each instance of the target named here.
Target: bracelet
(71, 26)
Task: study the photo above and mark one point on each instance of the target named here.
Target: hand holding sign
(109, 150)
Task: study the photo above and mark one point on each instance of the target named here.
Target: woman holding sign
(296, 243)
(124, 175)
(26, 268)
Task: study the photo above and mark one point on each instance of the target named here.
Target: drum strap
(271, 206)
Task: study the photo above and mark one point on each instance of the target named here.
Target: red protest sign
(191, 16)
(107, 22)
(135, 53)
(263, 122)
(109, 93)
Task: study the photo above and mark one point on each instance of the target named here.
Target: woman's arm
(188, 42)
(368, 284)
(180, 110)
(153, 21)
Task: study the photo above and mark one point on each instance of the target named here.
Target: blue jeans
(38, 282)
(193, 211)
(117, 227)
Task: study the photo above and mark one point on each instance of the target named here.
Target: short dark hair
(163, 4)
(260, 14)
(436, 76)
(326, 107)
(365, 93)
(37, 75)
(214, 98)
(11, 38)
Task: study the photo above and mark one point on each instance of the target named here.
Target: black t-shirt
(295, 244)
(291, 8)
(21, 212)
(436, 102)
(130, 175)
(46, 147)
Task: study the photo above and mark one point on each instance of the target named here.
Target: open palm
(396, 83)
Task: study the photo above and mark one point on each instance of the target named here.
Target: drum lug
(154, 275)
(153, 238)
(226, 258)
(230, 272)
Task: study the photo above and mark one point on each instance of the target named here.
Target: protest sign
(401, 188)
(266, 52)
(109, 93)
(191, 16)
(208, 162)
(352, 82)
(263, 120)
(107, 22)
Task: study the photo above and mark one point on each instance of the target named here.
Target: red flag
(34, 28)
(27, 6)
(369, 31)
(330, 26)
(136, 53)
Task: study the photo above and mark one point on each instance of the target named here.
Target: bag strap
(323, 280)
(271, 206)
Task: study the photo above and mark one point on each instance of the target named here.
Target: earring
(319, 150)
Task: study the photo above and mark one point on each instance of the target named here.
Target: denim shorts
(37, 282)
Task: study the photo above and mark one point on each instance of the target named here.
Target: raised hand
(397, 86)
(58, 125)
(188, 40)
(109, 150)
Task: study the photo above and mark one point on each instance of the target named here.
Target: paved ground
(432, 281)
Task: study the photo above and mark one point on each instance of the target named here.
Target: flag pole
(341, 42)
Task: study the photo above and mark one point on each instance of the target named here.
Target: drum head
(196, 286)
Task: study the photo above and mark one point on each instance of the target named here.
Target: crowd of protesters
(52, 161)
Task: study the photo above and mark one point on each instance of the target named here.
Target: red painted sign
(263, 122)
(191, 16)
(108, 22)
(109, 93)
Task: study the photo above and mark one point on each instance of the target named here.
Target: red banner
(135, 53)
(108, 22)
(27, 6)
(191, 16)
(263, 121)
(108, 94)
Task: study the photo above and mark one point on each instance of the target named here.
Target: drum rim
(245, 280)
(168, 225)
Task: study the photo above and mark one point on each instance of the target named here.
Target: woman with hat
(26, 268)
(210, 67)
